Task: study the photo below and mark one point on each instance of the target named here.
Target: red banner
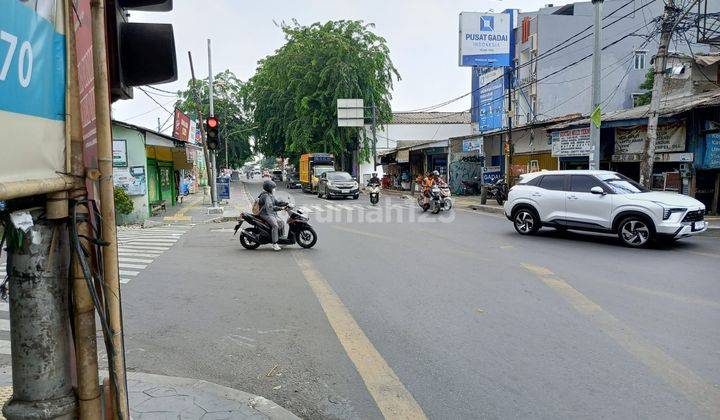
(181, 127)
(86, 80)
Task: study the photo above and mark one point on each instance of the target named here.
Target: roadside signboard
(486, 39)
(182, 126)
(571, 142)
(119, 151)
(491, 89)
(670, 138)
(32, 90)
(712, 151)
(350, 113)
(223, 188)
(86, 82)
(472, 145)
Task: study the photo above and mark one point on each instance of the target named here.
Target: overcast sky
(421, 35)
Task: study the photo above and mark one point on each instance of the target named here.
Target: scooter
(440, 198)
(374, 193)
(258, 233)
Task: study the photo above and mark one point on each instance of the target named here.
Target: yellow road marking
(180, 215)
(390, 395)
(681, 378)
(687, 299)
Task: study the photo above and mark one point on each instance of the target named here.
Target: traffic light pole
(203, 133)
(213, 190)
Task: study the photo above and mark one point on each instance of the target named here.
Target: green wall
(136, 157)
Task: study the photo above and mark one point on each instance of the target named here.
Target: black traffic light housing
(212, 132)
(138, 53)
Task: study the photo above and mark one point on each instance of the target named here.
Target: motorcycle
(471, 187)
(258, 233)
(498, 190)
(374, 190)
(439, 199)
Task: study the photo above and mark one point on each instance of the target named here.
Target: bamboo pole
(88, 387)
(30, 187)
(107, 202)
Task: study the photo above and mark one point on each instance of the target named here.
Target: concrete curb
(260, 404)
(487, 209)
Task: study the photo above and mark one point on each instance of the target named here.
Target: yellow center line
(390, 395)
(704, 395)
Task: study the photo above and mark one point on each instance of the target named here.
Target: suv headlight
(668, 211)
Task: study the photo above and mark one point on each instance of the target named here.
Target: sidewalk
(167, 397)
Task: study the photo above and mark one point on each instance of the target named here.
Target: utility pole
(594, 161)
(648, 155)
(159, 126)
(374, 133)
(206, 152)
(508, 140)
(213, 191)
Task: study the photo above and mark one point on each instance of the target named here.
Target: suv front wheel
(635, 232)
(526, 221)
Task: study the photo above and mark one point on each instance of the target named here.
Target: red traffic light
(212, 122)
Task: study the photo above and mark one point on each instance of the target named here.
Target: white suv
(602, 201)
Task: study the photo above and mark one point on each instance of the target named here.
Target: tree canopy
(293, 95)
(235, 128)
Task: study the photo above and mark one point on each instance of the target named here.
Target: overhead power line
(559, 47)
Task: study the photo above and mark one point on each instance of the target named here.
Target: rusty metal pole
(107, 206)
(37, 271)
(88, 385)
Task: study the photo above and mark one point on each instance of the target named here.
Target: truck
(312, 165)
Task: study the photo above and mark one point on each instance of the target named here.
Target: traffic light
(138, 53)
(212, 131)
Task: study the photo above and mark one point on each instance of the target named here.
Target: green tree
(235, 128)
(647, 84)
(293, 95)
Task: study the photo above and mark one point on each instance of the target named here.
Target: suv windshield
(339, 176)
(620, 184)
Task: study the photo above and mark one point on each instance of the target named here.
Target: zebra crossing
(137, 249)
(350, 207)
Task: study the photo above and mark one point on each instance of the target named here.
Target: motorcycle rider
(268, 212)
(428, 183)
(374, 179)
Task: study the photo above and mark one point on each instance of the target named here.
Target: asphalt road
(448, 316)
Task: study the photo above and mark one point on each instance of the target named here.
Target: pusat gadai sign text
(486, 39)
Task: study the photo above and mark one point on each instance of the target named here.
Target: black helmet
(374, 174)
(436, 173)
(269, 186)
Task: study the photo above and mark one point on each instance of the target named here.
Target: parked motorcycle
(258, 233)
(374, 191)
(498, 190)
(471, 187)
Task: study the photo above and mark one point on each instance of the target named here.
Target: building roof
(550, 121)
(669, 106)
(146, 130)
(431, 118)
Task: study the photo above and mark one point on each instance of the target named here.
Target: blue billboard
(487, 39)
(491, 99)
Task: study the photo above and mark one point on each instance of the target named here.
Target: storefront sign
(402, 156)
(491, 100)
(486, 39)
(132, 180)
(712, 151)
(472, 145)
(573, 142)
(491, 174)
(119, 151)
(32, 90)
(659, 157)
(670, 138)
(181, 126)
